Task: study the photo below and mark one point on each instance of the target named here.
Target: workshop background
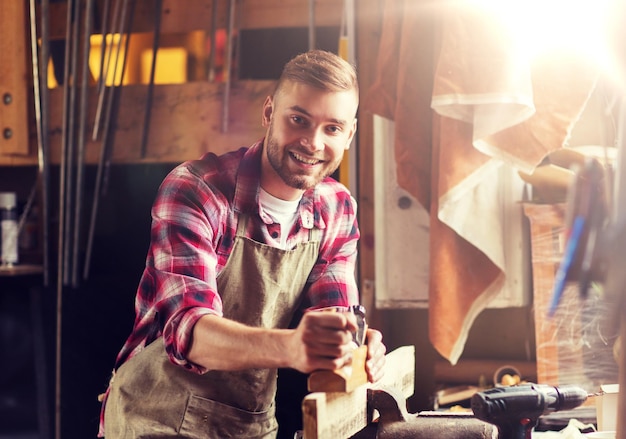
(462, 218)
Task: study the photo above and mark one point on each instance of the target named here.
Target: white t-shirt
(281, 211)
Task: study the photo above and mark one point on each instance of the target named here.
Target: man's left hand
(375, 364)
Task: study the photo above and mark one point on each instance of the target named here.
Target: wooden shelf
(189, 15)
(186, 119)
(20, 270)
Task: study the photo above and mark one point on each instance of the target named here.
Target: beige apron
(150, 397)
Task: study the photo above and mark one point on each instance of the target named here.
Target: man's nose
(313, 141)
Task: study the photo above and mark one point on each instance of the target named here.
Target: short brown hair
(320, 69)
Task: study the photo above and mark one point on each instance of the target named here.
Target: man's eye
(334, 129)
(297, 120)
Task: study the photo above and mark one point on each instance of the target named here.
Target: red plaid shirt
(194, 222)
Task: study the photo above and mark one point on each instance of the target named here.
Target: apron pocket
(205, 418)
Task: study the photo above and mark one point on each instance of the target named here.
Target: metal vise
(394, 421)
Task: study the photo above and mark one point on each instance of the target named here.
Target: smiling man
(308, 131)
(243, 246)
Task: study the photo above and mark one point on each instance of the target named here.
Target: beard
(280, 159)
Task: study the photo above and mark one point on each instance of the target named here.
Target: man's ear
(268, 108)
(352, 133)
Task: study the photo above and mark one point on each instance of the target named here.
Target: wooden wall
(186, 119)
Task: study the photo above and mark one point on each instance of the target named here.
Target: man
(243, 245)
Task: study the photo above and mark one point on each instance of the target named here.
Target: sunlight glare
(541, 26)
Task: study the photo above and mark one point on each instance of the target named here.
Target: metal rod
(155, 49)
(36, 58)
(71, 146)
(36, 77)
(104, 150)
(43, 154)
(110, 132)
(228, 66)
(213, 45)
(62, 171)
(113, 103)
(80, 160)
(107, 114)
(36, 311)
(103, 31)
(117, 21)
(312, 37)
(39, 58)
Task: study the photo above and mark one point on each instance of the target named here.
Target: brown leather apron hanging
(151, 397)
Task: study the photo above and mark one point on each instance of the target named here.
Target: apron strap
(242, 222)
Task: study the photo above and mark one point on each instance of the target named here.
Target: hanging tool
(592, 261)
(158, 10)
(582, 259)
(515, 410)
(574, 244)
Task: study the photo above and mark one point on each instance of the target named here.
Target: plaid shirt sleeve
(178, 285)
(332, 281)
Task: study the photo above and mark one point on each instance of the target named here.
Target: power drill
(515, 410)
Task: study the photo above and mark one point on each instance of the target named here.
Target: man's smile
(303, 159)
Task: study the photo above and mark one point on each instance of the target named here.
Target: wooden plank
(400, 371)
(17, 159)
(254, 14)
(177, 17)
(334, 414)
(343, 414)
(58, 16)
(186, 121)
(190, 15)
(14, 74)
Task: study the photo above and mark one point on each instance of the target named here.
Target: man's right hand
(323, 340)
